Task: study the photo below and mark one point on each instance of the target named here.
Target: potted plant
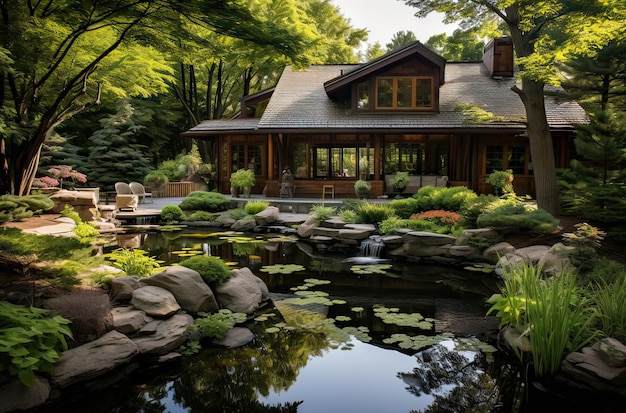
(242, 178)
(362, 189)
(156, 181)
(400, 182)
(501, 181)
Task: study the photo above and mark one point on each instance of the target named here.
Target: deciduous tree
(59, 57)
(543, 33)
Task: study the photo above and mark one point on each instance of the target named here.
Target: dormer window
(396, 93)
(404, 93)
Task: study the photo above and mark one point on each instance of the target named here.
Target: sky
(384, 18)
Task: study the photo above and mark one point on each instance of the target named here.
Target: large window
(341, 162)
(402, 93)
(429, 157)
(502, 157)
(246, 157)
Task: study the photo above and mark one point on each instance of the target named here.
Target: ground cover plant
(204, 201)
(17, 208)
(31, 340)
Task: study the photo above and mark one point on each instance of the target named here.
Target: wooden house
(409, 110)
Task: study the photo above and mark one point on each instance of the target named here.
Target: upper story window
(396, 93)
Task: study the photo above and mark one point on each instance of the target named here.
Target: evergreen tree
(594, 186)
(115, 154)
(599, 82)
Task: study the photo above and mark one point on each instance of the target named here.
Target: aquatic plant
(282, 268)
(218, 324)
(371, 269)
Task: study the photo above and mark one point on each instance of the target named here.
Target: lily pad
(282, 268)
(371, 268)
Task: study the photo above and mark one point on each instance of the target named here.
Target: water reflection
(327, 352)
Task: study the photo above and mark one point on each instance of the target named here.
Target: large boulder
(493, 253)
(305, 230)
(155, 301)
(16, 396)
(166, 336)
(93, 359)
(191, 292)
(244, 292)
(129, 320)
(428, 238)
(268, 216)
(85, 203)
(122, 287)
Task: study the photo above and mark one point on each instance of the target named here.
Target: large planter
(247, 190)
(234, 192)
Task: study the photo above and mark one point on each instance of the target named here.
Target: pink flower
(45, 182)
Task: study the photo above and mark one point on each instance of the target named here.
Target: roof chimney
(498, 56)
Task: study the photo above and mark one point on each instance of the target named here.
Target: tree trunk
(541, 148)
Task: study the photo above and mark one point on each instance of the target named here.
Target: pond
(345, 333)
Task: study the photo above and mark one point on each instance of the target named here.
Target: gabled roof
(300, 104)
(389, 59)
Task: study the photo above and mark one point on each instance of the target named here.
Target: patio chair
(139, 190)
(122, 188)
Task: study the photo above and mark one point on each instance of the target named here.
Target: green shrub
(88, 311)
(133, 261)
(254, 207)
(517, 216)
(201, 216)
(351, 204)
(218, 324)
(404, 208)
(31, 341)
(68, 212)
(447, 198)
(213, 270)
(205, 201)
(375, 213)
(350, 217)
(86, 232)
(389, 225)
(171, 213)
(472, 209)
(237, 213)
(34, 203)
(323, 213)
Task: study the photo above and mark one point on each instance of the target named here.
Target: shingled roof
(300, 104)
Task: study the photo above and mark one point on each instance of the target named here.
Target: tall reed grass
(553, 312)
(609, 298)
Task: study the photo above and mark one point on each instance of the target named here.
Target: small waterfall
(371, 247)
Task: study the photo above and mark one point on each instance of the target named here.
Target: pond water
(345, 334)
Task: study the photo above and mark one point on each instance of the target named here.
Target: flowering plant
(66, 172)
(45, 182)
(439, 216)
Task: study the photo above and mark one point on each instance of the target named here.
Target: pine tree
(115, 154)
(594, 187)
